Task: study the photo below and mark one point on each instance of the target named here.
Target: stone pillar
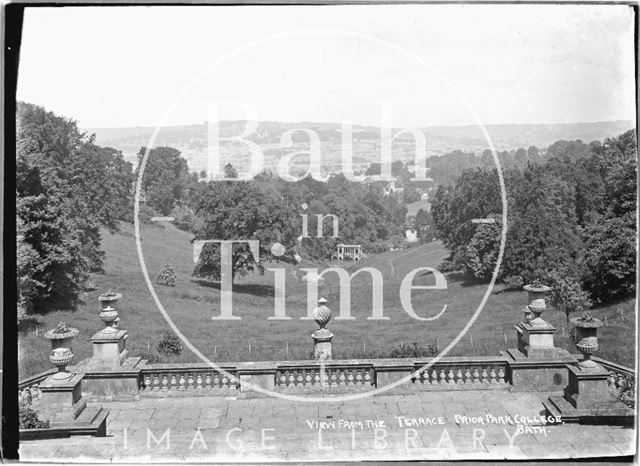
(114, 374)
(109, 344)
(536, 364)
(587, 397)
(62, 402)
(322, 337)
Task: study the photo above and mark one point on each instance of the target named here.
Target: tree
(165, 179)
(61, 205)
(481, 254)
(567, 294)
(609, 263)
(520, 157)
(241, 211)
(486, 159)
(230, 171)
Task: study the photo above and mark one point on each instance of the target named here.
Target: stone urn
(61, 339)
(322, 314)
(586, 338)
(62, 336)
(60, 357)
(108, 312)
(537, 302)
(322, 337)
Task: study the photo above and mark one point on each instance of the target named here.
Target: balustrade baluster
(484, 375)
(451, 377)
(350, 378)
(467, 376)
(492, 375)
(501, 375)
(459, 378)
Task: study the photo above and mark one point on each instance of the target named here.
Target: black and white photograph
(293, 233)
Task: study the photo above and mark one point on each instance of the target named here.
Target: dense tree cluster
(271, 210)
(67, 187)
(571, 212)
(571, 221)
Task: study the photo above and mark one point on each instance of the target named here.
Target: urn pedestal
(62, 402)
(115, 376)
(587, 397)
(322, 344)
(109, 344)
(537, 364)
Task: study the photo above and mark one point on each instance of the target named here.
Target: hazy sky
(111, 67)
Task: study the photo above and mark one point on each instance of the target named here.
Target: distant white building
(348, 251)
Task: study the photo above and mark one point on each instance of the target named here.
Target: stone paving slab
(410, 426)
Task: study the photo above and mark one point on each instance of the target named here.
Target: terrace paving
(264, 429)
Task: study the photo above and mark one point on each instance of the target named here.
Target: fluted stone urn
(109, 349)
(61, 355)
(322, 337)
(108, 312)
(62, 336)
(586, 338)
(537, 293)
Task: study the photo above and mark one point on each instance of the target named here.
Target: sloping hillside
(192, 303)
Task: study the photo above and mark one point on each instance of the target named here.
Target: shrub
(413, 351)
(167, 275)
(29, 418)
(151, 356)
(513, 282)
(170, 344)
(627, 393)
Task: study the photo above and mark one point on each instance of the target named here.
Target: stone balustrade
(620, 377)
(464, 372)
(344, 375)
(187, 378)
(325, 375)
(29, 389)
(458, 373)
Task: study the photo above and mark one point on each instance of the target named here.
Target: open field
(192, 303)
(414, 207)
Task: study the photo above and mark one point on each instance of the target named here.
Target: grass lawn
(192, 303)
(414, 207)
